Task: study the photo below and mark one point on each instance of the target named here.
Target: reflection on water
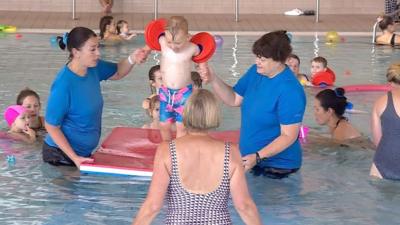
(333, 186)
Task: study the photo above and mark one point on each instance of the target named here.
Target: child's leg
(166, 114)
(165, 130)
(180, 130)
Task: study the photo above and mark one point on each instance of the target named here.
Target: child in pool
(293, 62)
(155, 81)
(30, 100)
(123, 30)
(154, 113)
(17, 118)
(176, 64)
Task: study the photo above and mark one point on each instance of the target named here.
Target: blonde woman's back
(200, 175)
(200, 162)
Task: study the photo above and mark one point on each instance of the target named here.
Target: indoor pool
(332, 187)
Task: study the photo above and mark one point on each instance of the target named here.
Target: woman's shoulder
(346, 131)
(380, 104)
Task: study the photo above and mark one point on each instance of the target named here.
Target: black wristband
(258, 158)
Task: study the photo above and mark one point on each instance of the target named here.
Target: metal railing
(73, 9)
(156, 10)
(374, 32)
(317, 12)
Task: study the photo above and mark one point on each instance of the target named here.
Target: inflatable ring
(153, 32)
(367, 87)
(10, 29)
(327, 78)
(207, 46)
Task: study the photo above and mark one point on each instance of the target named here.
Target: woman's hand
(205, 72)
(249, 161)
(139, 55)
(78, 160)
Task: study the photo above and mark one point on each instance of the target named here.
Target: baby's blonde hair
(176, 24)
(393, 73)
(201, 111)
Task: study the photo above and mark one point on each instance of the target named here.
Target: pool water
(332, 187)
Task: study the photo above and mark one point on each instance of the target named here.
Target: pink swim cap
(12, 112)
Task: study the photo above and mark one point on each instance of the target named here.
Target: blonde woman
(386, 129)
(197, 173)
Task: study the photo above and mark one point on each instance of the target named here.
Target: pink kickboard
(367, 87)
(130, 151)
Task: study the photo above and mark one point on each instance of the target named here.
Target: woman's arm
(59, 138)
(241, 198)
(158, 187)
(125, 66)
(377, 110)
(221, 89)
(289, 134)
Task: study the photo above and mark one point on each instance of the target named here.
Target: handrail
(236, 10)
(73, 9)
(374, 32)
(317, 12)
(155, 9)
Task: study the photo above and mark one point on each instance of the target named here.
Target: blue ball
(53, 39)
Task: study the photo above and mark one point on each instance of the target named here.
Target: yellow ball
(332, 37)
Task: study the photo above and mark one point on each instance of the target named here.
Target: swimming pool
(333, 186)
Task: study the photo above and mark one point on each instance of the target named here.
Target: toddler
(17, 118)
(30, 100)
(321, 75)
(155, 81)
(293, 62)
(154, 113)
(176, 65)
(123, 30)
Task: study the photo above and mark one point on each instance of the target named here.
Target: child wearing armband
(178, 49)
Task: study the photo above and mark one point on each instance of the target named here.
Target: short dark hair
(294, 56)
(275, 45)
(385, 22)
(25, 93)
(320, 59)
(152, 70)
(152, 77)
(333, 99)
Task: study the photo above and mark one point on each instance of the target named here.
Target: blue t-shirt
(268, 103)
(75, 104)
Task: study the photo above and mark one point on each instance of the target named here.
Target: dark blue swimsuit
(387, 156)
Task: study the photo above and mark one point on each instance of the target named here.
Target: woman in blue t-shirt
(75, 104)
(272, 105)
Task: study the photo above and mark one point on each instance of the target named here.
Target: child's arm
(131, 35)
